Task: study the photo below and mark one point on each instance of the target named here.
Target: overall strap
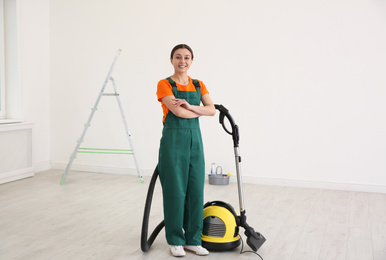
(174, 86)
(197, 85)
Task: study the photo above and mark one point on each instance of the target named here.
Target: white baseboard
(316, 184)
(42, 166)
(101, 169)
(245, 179)
(17, 175)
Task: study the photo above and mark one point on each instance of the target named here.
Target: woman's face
(181, 61)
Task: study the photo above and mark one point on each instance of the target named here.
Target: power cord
(242, 247)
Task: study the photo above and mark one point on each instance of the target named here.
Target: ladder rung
(105, 151)
(110, 94)
(101, 149)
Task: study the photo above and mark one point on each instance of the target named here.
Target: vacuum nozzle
(254, 239)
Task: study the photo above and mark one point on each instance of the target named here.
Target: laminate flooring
(99, 216)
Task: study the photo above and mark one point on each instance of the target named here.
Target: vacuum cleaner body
(221, 230)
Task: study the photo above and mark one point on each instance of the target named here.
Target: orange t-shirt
(164, 88)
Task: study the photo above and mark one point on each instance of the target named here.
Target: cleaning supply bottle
(219, 171)
(213, 170)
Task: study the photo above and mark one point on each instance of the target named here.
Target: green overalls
(181, 168)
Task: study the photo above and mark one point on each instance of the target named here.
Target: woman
(181, 163)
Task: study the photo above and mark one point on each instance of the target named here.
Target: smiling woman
(181, 60)
(181, 163)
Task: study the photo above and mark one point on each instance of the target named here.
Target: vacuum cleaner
(221, 222)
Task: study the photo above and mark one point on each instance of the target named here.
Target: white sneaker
(198, 250)
(177, 250)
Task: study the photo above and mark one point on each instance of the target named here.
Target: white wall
(35, 83)
(28, 89)
(303, 80)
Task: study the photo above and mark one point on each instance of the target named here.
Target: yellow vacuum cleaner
(220, 231)
(221, 223)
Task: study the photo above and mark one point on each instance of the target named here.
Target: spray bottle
(213, 170)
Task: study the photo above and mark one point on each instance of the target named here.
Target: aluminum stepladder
(104, 151)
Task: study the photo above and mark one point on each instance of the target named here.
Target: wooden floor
(99, 216)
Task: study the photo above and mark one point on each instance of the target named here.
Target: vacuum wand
(239, 181)
(254, 239)
(236, 138)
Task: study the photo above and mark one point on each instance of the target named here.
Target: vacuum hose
(146, 243)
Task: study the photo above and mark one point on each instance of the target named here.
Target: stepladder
(130, 147)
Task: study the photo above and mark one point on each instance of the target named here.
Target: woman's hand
(181, 103)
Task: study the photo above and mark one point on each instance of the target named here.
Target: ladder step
(110, 94)
(101, 152)
(105, 151)
(100, 149)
